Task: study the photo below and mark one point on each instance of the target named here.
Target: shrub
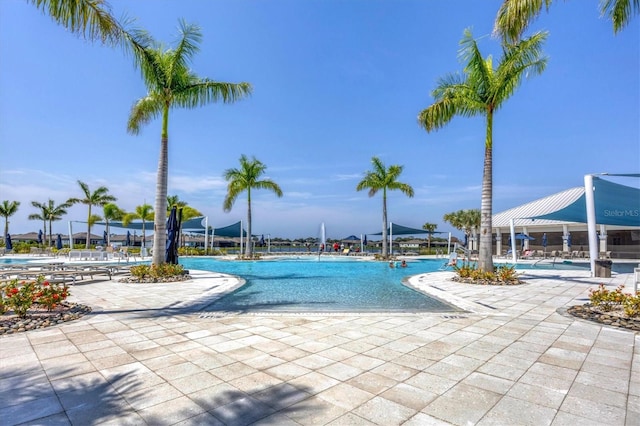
(632, 305)
(501, 275)
(20, 296)
(157, 271)
(50, 295)
(606, 300)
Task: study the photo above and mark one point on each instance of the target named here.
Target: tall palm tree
(43, 215)
(384, 179)
(431, 227)
(145, 213)
(49, 212)
(243, 179)
(481, 90)
(171, 84)
(55, 213)
(97, 198)
(7, 209)
(514, 16)
(111, 212)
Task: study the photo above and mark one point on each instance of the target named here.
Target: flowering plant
(20, 296)
(50, 295)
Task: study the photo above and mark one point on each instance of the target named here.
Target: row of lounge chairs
(59, 272)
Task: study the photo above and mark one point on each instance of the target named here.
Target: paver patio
(148, 354)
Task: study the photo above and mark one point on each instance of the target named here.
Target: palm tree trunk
(385, 250)
(88, 228)
(248, 250)
(159, 223)
(485, 256)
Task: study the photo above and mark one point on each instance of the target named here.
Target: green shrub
(501, 275)
(157, 271)
(606, 300)
(20, 296)
(632, 305)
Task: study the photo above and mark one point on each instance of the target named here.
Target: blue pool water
(312, 285)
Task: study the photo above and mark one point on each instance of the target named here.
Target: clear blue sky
(336, 82)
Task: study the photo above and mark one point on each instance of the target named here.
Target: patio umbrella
(523, 237)
(364, 242)
(39, 236)
(262, 241)
(127, 241)
(569, 240)
(7, 242)
(104, 237)
(544, 240)
(59, 242)
(171, 255)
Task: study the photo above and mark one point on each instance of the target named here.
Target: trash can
(603, 268)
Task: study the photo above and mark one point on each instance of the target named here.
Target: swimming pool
(311, 285)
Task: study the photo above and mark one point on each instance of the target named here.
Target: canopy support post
(591, 222)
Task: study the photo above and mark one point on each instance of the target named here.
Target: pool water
(312, 285)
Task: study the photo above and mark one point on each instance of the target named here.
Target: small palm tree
(243, 179)
(145, 213)
(384, 179)
(98, 198)
(111, 212)
(171, 84)
(464, 220)
(430, 227)
(481, 90)
(8, 209)
(514, 16)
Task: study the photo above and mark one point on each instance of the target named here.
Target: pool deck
(148, 355)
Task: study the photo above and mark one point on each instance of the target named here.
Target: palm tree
(245, 179)
(7, 209)
(514, 16)
(174, 200)
(111, 212)
(431, 227)
(385, 179)
(43, 215)
(145, 213)
(464, 220)
(481, 90)
(49, 212)
(171, 84)
(99, 198)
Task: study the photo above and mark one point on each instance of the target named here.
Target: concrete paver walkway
(147, 354)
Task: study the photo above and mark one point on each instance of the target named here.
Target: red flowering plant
(19, 296)
(50, 295)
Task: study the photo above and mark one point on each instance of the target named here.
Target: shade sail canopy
(615, 204)
(396, 229)
(231, 231)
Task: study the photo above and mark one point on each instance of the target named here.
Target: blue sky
(336, 82)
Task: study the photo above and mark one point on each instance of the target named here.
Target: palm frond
(90, 18)
(186, 47)
(206, 91)
(142, 112)
(619, 11)
(514, 17)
